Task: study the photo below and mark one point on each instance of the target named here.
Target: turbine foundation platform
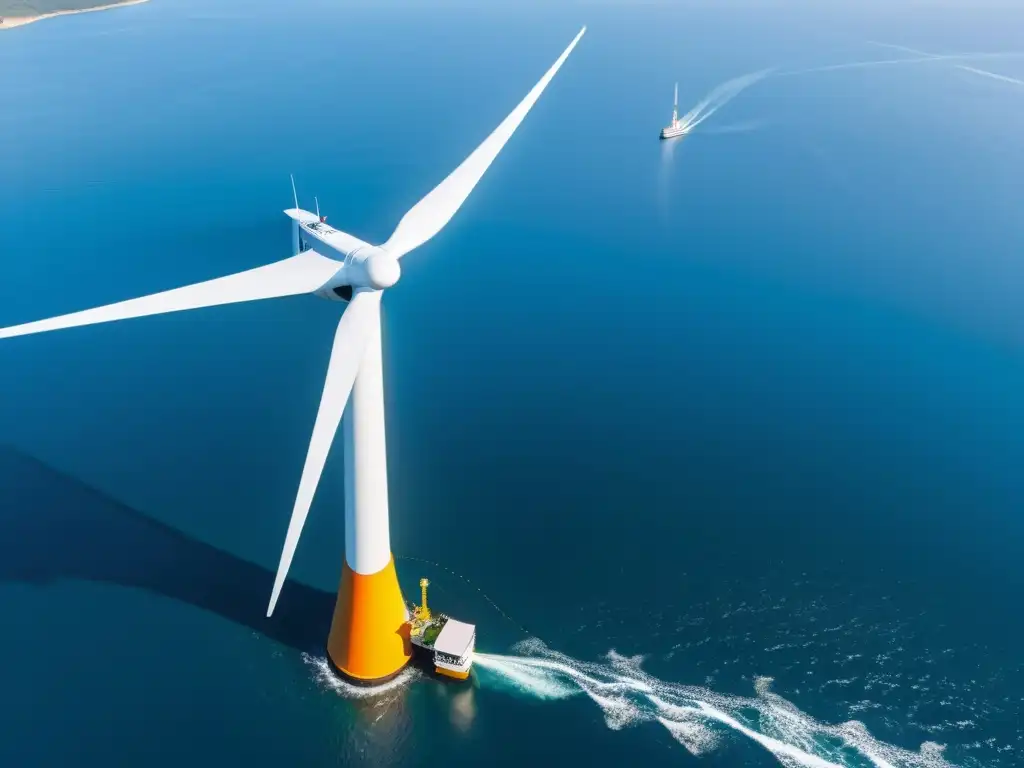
(369, 640)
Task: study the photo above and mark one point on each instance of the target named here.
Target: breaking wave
(698, 718)
(325, 676)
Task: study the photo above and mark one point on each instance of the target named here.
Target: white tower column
(369, 639)
(367, 534)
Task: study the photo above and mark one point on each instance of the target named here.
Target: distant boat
(675, 128)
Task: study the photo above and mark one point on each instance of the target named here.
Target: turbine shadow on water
(54, 527)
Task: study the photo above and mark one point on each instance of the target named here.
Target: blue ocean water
(718, 441)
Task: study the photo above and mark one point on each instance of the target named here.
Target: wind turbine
(368, 640)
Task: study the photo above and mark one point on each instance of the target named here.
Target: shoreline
(20, 21)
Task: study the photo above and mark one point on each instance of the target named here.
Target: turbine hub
(382, 270)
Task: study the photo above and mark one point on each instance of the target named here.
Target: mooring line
(483, 594)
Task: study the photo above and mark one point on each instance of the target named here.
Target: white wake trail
(719, 97)
(696, 717)
(975, 70)
(902, 48)
(894, 62)
(993, 75)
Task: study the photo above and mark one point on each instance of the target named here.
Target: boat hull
(452, 673)
(671, 133)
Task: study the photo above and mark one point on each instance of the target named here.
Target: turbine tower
(369, 639)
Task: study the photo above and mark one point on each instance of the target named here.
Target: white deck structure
(453, 648)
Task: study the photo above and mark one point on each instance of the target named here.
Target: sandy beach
(10, 22)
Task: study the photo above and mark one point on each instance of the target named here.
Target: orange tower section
(369, 639)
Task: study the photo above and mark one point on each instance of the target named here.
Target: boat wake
(923, 59)
(730, 89)
(719, 97)
(698, 718)
(710, 104)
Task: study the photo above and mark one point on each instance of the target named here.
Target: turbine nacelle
(370, 268)
(381, 269)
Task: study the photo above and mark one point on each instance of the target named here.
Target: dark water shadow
(54, 527)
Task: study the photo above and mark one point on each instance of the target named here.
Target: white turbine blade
(354, 330)
(430, 214)
(299, 274)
